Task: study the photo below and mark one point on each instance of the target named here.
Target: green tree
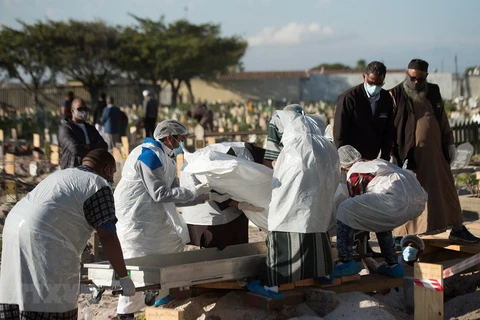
(361, 64)
(142, 52)
(87, 52)
(332, 66)
(28, 55)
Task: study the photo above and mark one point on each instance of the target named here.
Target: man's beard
(416, 95)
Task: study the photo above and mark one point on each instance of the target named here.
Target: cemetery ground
(462, 296)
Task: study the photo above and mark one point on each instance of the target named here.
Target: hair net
(294, 107)
(348, 156)
(146, 93)
(169, 127)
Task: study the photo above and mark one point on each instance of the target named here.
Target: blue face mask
(409, 254)
(179, 149)
(372, 90)
(111, 185)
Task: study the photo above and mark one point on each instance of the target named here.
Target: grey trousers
(111, 140)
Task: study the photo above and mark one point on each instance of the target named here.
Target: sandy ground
(463, 301)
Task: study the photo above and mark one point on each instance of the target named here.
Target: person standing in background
(97, 114)
(66, 108)
(111, 119)
(150, 112)
(77, 137)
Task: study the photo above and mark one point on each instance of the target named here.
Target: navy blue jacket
(111, 119)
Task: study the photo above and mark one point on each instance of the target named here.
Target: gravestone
(36, 140)
(47, 135)
(54, 139)
(10, 164)
(199, 137)
(462, 156)
(33, 168)
(13, 133)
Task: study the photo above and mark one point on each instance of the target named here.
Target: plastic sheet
(305, 178)
(393, 197)
(243, 179)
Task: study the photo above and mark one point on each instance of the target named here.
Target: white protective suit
(393, 197)
(208, 213)
(305, 177)
(244, 180)
(43, 238)
(148, 221)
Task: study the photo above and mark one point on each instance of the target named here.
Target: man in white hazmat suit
(221, 222)
(148, 222)
(45, 235)
(357, 183)
(306, 175)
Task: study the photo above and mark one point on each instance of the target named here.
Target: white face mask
(80, 114)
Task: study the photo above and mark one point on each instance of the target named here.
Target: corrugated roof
(278, 75)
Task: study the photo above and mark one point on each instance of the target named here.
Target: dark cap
(418, 64)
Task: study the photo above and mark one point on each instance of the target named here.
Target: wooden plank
(229, 285)
(11, 191)
(369, 283)
(10, 164)
(428, 302)
(355, 277)
(286, 286)
(54, 155)
(180, 160)
(94, 241)
(472, 248)
(2, 138)
(36, 140)
(152, 313)
(305, 283)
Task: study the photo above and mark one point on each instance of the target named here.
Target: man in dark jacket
(101, 105)
(150, 112)
(77, 137)
(424, 140)
(364, 115)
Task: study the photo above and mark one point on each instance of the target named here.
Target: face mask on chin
(419, 86)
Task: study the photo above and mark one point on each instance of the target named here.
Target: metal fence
(18, 99)
(467, 131)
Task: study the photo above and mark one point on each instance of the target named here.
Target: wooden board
(152, 313)
(1, 135)
(370, 283)
(428, 302)
(125, 147)
(473, 248)
(223, 285)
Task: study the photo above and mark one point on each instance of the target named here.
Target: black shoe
(126, 316)
(463, 235)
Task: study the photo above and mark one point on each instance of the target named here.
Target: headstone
(54, 155)
(10, 164)
(47, 135)
(54, 139)
(13, 133)
(19, 128)
(125, 147)
(462, 156)
(11, 190)
(36, 140)
(211, 140)
(33, 169)
(1, 136)
(199, 132)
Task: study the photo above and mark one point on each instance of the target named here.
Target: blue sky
(297, 35)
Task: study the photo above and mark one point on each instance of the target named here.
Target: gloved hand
(452, 152)
(249, 207)
(127, 286)
(202, 189)
(213, 196)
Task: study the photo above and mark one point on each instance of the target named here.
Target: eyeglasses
(417, 79)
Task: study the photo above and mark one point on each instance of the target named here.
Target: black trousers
(150, 124)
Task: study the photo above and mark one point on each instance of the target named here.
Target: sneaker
(127, 316)
(394, 271)
(326, 279)
(463, 235)
(164, 300)
(255, 288)
(346, 269)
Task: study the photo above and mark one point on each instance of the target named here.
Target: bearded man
(424, 140)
